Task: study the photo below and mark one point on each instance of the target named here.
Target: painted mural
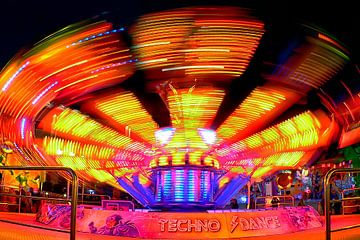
(215, 224)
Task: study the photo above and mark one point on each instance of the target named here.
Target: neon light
(57, 146)
(189, 57)
(194, 107)
(206, 50)
(153, 61)
(159, 188)
(167, 185)
(260, 104)
(164, 135)
(9, 81)
(21, 152)
(111, 66)
(208, 135)
(205, 185)
(72, 123)
(191, 186)
(125, 109)
(179, 182)
(43, 92)
(22, 129)
(150, 44)
(261, 171)
(95, 36)
(190, 41)
(298, 132)
(193, 67)
(320, 65)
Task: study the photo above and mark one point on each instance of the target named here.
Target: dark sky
(23, 23)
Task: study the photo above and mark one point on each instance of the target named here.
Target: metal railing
(345, 199)
(327, 200)
(73, 200)
(118, 204)
(92, 195)
(289, 203)
(3, 189)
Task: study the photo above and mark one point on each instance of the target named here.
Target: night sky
(23, 23)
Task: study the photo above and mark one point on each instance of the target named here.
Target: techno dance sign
(200, 225)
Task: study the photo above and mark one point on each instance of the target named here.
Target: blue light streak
(43, 92)
(95, 36)
(22, 129)
(11, 79)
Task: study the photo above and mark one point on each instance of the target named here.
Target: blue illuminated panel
(191, 186)
(179, 185)
(167, 184)
(205, 185)
(159, 189)
(184, 186)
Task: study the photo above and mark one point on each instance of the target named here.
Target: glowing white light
(164, 135)
(207, 135)
(243, 199)
(22, 130)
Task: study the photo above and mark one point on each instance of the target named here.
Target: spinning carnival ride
(198, 105)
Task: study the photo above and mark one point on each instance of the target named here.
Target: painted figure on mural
(115, 227)
(304, 218)
(65, 218)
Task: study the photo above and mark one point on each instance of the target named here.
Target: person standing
(234, 204)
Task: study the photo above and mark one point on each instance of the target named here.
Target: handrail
(327, 200)
(3, 186)
(7, 185)
(36, 197)
(275, 196)
(347, 198)
(74, 189)
(93, 195)
(130, 203)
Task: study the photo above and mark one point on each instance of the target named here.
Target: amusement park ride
(196, 106)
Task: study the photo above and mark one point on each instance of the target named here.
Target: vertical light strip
(191, 185)
(179, 185)
(22, 129)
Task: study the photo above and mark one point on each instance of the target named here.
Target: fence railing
(8, 188)
(291, 201)
(73, 200)
(100, 196)
(347, 199)
(328, 201)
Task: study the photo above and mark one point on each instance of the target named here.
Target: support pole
(68, 190)
(249, 195)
